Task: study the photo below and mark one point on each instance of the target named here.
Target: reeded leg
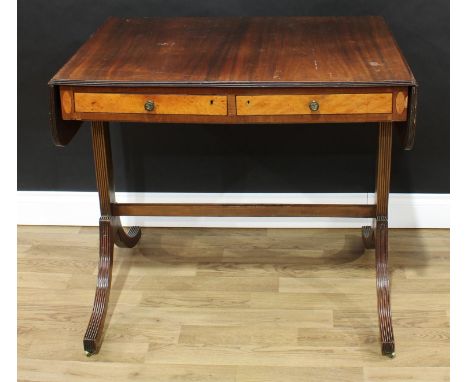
(383, 288)
(110, 232)
(381, 238)
(105, 184)
(93, 336)
(368, 237)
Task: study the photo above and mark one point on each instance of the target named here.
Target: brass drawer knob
(314, 106)
(149, 105)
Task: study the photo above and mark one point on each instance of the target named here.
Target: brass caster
(388, 349)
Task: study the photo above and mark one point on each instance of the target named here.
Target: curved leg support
(93, 336)
(127, 239)
(368, 237)
(383, 288)
(110, 233)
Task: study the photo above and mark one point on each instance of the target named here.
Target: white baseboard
(82, 209)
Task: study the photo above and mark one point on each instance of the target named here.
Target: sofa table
(239, 70)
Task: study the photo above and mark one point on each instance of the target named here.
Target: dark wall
(206, 158)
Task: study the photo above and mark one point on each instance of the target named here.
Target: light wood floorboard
(234, 305)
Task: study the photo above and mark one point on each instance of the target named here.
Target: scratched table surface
(266, 51)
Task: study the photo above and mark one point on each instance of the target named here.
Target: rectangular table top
(239, 52)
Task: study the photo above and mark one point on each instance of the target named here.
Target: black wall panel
(214, 158)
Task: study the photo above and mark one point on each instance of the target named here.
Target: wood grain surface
(163, 103)
(267, 53)
(227, 105)
(238, 305)
(217, 209)
(239, 51)
(379, 103)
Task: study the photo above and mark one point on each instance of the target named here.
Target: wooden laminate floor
(244, 305)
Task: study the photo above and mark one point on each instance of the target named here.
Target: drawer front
(372, 103)
(150, 104)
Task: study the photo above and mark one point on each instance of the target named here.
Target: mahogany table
(234, 71)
